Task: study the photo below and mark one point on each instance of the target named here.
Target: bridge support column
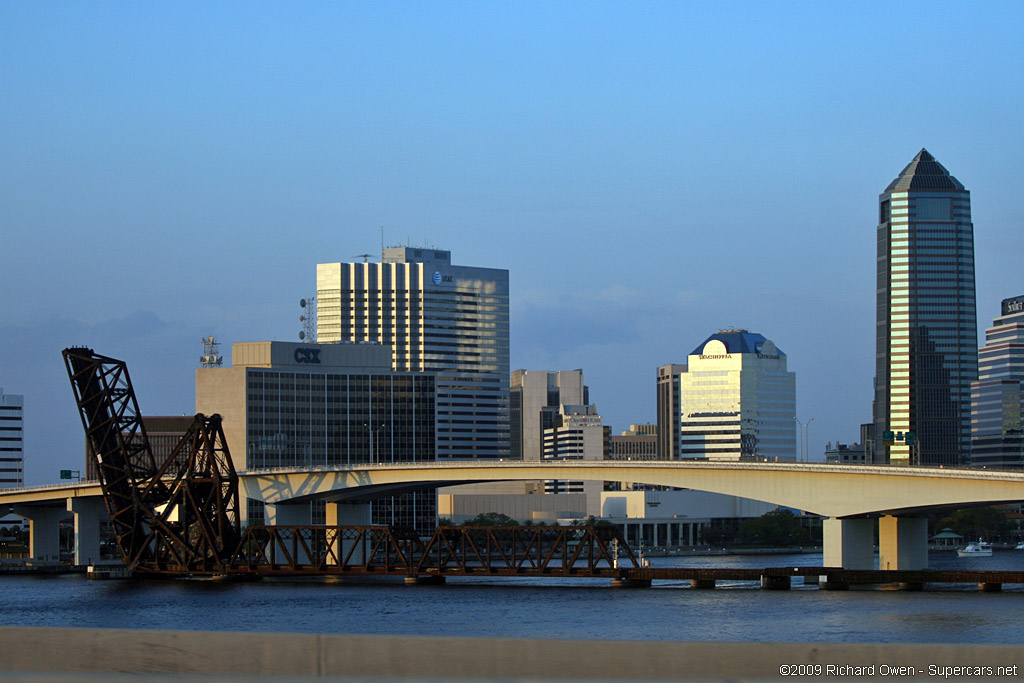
(350, 514)
(775, 583)
(902, 543)
(849, 543)
(43, 531)
(288, 514)
(88, 513)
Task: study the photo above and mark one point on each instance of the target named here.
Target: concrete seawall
(100, 654)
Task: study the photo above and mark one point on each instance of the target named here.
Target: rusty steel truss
(452, 551)
(175, 516)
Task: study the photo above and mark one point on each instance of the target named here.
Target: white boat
(976, 549)
(1019, 546)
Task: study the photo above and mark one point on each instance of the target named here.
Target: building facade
(164, 433)
(668, 411)
(12, 440)
(737, 400)
(535, 397)
(639, 442)
(577, 435)
(926, 321)
(434, 317)
(288, 404)
(997, 398)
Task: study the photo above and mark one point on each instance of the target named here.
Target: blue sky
(647, 172)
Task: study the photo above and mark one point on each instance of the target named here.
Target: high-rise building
(535, 398)
(435, 317)
(737, 400)
(926, 323)
(997, 398)
(12, 444)
(577, 435)
(287, 404)
(668, 411)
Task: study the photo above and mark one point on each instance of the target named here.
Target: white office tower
(576, 435)
(997, 398)
(438, 318)
(737, 400)
(12, 445)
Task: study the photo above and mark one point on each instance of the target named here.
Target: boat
(1019, 546)
(977, 549)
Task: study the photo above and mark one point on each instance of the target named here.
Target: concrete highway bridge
(850, 498)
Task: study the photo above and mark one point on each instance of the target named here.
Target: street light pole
(804, 435)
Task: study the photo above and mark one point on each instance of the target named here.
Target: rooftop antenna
(211, 357)
(308, 319)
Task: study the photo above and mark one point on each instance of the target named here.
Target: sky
(647, 172)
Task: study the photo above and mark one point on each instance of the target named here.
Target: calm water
(551, 608)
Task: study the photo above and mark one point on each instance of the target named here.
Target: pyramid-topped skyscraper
(926, 322)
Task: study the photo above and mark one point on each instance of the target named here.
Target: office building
(576, 435)
(433, 317)
(12, 440)
(164, 433)
(737, 400)
(639, 442)
(855, 453)
(997, 398)
(668, 411)
(535, 397)
(288, 404)
(926, 323)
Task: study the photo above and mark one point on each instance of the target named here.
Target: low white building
(674, 518)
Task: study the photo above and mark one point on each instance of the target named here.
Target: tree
(778, 528)
(490, 519)
(988, 523)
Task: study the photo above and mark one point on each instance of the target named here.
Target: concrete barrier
(96, 654)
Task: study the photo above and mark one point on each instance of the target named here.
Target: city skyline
(645, 176)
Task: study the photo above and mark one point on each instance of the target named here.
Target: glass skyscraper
(737, 400)
(997, 401)
(926, 322)
(435, 317)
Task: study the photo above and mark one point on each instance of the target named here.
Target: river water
(544, 608)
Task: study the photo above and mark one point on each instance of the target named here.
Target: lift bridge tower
(175, 516)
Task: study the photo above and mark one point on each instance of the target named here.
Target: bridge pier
(702, 583)
(288, 514)
(351, 514)
(902, 543)
(775, 583)
(87, 512)
(43, 531)
(849, 542)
